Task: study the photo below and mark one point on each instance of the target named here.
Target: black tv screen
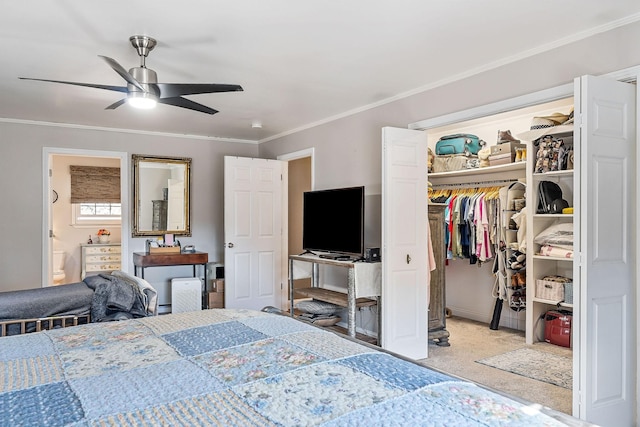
(333, 221)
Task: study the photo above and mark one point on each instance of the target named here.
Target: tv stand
(306, 252)
(364, 287)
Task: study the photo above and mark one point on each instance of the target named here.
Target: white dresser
(100, 258)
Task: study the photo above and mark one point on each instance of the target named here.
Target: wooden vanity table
(142, 260)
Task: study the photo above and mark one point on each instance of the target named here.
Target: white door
(605, 141)
(405, 289)
(175, 205)
(253, 256)
(48, 231)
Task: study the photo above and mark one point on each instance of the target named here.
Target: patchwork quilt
(231, 368)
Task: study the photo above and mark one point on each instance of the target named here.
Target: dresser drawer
(103, 258)
(100, 258)
(89, 250)
(103, 267)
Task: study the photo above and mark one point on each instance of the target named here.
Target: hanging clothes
(470, 221)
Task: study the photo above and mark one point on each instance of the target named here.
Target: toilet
(58, 267)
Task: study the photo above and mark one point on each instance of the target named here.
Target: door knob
(230, 245)
(408, 258)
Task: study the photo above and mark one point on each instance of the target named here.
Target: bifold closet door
(405, 288)
(605, 363)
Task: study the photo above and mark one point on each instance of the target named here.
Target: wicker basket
(551, 290)
(568, 292)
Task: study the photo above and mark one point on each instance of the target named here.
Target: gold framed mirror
(161, 187)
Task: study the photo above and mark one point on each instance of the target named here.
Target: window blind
(95, 184)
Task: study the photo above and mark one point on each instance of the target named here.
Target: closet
(604, 196)
(481, 236)
(470, 288)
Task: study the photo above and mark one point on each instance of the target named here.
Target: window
(95, 195)
(96, 214)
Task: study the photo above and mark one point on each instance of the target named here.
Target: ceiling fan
(143, 89)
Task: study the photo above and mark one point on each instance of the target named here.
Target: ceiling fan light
(143, 101)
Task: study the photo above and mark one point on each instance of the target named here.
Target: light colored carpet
(472, 341)
(535, 364)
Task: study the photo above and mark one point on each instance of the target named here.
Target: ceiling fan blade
(116, 104)
(123, 73)
(171, 90)
(188, 104)
(106, 87)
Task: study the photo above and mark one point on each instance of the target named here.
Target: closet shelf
(552, 258)
(568, 172)
(481, 171)
(570, 216)
(556, 303)
(337, 298)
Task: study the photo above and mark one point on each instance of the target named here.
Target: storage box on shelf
(500, 159)
(545, 295)
(549, 291)
(507, 148)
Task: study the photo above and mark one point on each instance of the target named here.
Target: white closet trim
(529, 100)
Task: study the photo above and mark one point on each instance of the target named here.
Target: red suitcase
(557, 327)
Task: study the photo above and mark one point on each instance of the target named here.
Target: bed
(233, 368)
(98, 298)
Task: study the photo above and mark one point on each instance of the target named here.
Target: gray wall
(360, 162)
(21, 175)
(347, 151)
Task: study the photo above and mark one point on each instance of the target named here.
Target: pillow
(327, 321)
(317, 307)
(559, 235)
(556, 251)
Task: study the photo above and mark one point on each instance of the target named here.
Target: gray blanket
(115, 299)
(63, 300)
(105, 297)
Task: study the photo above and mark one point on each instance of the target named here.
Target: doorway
(300, 165)
(60, 233)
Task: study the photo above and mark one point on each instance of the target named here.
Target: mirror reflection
(161, 195)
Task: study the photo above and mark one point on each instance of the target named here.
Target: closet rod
(475, 184)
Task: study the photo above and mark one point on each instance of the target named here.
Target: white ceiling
(299, 62)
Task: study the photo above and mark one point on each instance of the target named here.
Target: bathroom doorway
(63, 232)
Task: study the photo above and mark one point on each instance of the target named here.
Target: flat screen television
(333, 221)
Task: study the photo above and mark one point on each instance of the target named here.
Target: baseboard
(508, 319)
(469, 314)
